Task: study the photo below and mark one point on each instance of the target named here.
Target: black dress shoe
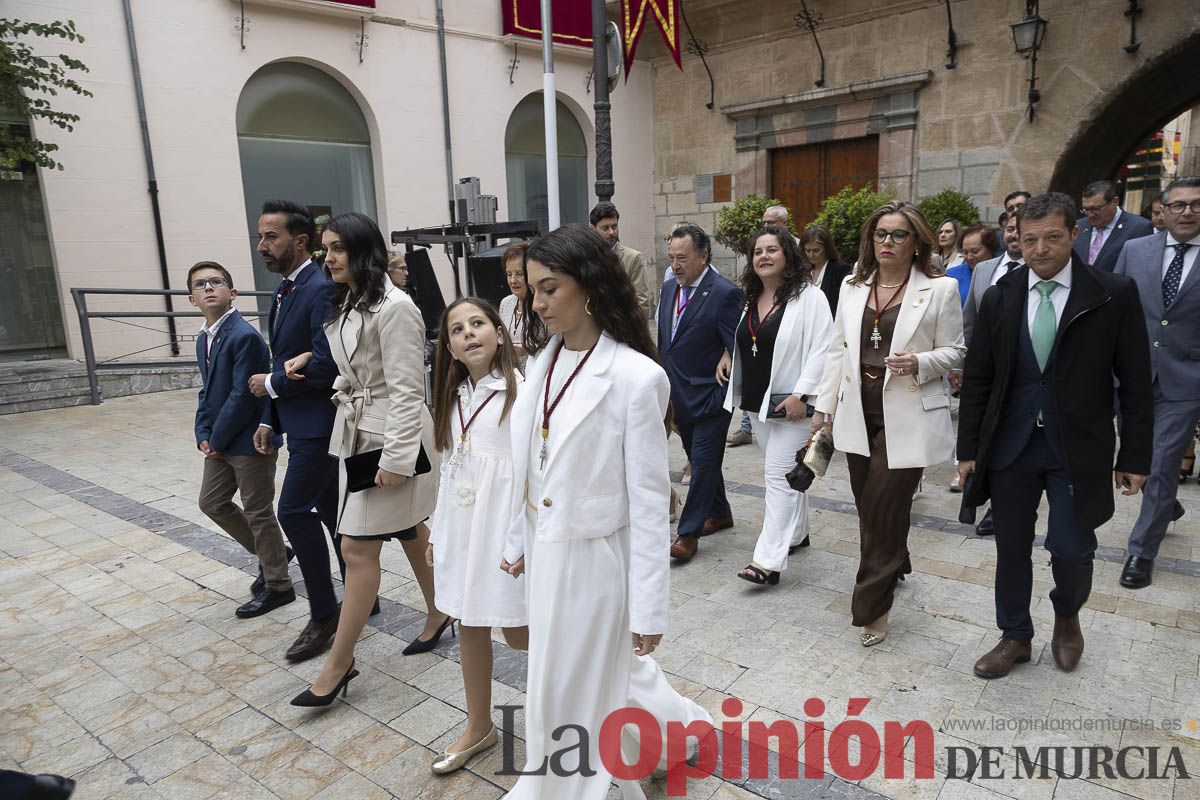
(986, 526)
(265, 601)
(1137, 572)
(261, 580)
(50, 787)
(1177, 512)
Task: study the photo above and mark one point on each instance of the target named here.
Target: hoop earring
(587, 306)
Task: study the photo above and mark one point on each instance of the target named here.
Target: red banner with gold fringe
(635, 14)
(572, 20)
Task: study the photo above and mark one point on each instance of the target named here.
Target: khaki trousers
(253, 525)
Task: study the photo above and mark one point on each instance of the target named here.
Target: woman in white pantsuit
(590, 448)
(776, 366)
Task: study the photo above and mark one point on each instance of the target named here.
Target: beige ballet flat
(452, 762)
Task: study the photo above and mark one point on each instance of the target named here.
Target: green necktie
(1044, 324)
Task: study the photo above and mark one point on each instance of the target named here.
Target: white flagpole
(550, 112)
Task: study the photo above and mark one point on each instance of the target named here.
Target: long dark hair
(366, 261)
(449, 372)
(821, 235)
(581, 253)
(797, 269)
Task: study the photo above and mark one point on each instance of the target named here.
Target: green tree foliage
(844, 213)
(948, 204)
(738, 220)
(27, 81)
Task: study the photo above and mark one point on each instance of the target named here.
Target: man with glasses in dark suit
(1164, 267)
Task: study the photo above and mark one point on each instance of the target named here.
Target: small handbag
(812, 461)
(820, 452)
(361, 468)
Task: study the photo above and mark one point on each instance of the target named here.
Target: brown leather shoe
(1067, 642)
(714, 524)
(313, 640)
(684, 547)
(999, 661)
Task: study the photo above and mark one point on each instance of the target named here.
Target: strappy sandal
(758, 576)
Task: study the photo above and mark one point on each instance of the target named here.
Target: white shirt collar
(296, 272)
(1063, 278)
(211, 330)
(696, 282)
(1172, 241)
(1004, 259)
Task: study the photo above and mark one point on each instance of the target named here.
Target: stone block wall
(966, 127)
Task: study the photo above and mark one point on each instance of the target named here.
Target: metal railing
(85, 329)
(89, 351)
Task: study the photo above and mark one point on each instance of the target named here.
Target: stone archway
(1140, 105)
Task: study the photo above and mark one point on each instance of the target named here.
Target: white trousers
(785, 519)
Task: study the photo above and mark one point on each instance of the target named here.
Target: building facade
(886, 107)
(264, 98)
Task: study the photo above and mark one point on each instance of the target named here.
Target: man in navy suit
(1105, 227)
(1164, 267)
(302, 410)
(697, 313)
(1035, 419)
(229, 350)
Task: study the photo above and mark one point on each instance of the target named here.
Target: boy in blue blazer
(229, 350)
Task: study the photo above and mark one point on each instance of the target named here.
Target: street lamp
(1028, 35)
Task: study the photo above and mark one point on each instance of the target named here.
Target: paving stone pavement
(122, 665)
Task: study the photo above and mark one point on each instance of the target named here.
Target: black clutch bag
(774, 401)
(361, 468)
(966, 511)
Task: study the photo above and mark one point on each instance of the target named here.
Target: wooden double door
(801, 177)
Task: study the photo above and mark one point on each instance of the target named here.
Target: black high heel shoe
(798, 545)
(309, 700)
(425, 645)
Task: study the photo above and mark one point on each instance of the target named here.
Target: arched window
(302, 137)
(525, 159)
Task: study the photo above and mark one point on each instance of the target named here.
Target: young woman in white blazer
(590, 457)
(898, 331)
(775, 368)
(377, 337)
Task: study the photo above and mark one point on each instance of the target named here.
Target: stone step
(38, 385)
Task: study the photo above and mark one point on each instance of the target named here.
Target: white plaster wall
(193, 71)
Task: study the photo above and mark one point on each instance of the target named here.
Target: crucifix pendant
(456, 458)
(875, 337)
(754, 349)
(545, 450)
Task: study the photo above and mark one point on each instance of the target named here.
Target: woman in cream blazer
(376, 336)
(898, 331)
(593, 534)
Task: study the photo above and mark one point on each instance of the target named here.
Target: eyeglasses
(898, 235)
(1089, 210)
(1178, 207)
(199, 284)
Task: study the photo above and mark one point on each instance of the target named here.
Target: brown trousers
(883, 498)
(254, 528)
